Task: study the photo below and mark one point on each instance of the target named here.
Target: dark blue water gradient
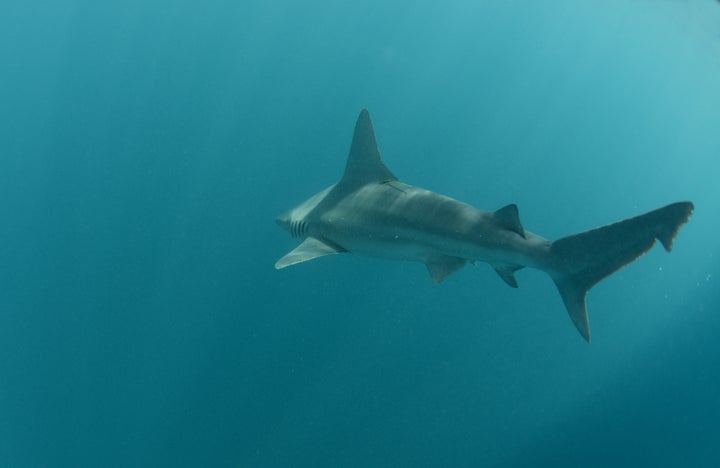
(146, 147)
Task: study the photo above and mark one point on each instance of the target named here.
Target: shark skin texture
(370, 212)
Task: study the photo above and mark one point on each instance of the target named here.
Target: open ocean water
(147, 146)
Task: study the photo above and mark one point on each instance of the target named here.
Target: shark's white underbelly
(403, 244)
(395, 248)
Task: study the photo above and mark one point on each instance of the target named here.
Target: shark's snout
(283, 221)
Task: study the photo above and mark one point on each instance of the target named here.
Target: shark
(370, 212)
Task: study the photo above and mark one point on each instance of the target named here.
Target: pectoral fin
(311, 248)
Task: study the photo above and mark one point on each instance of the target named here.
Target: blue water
(147, 146)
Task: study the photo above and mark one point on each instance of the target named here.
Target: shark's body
(369, 212)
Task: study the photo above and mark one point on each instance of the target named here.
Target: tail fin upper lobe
(582, 260)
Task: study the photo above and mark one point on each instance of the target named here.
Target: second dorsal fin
(508, 218)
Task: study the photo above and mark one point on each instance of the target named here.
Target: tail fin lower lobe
(582, 260)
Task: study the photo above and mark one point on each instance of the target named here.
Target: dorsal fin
(364, 164)
(508, 218)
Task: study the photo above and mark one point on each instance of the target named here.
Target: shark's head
(297, 221)
(293, 223)
(284, 220)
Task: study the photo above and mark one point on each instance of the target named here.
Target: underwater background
(146, 148)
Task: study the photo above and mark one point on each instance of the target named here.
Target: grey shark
(370, 212)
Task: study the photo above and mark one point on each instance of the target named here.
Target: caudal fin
(582, 260)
